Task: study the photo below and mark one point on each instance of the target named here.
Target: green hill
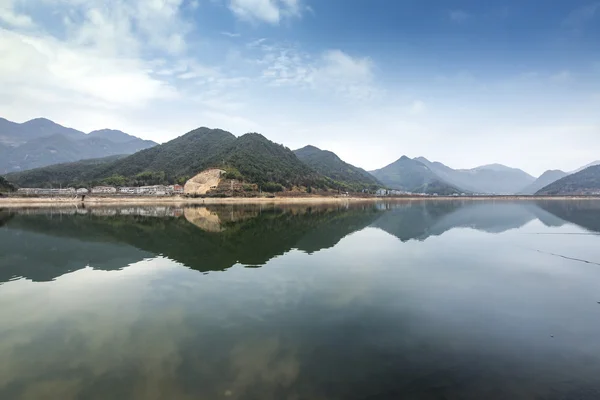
(250, 157)
(585, 182)
(5, 186)
(330, 165)
(260, 160)
(413, 176)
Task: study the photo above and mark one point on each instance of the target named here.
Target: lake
(412, 300)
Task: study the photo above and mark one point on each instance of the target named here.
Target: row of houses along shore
(156, 190)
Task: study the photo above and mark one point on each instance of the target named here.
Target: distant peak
(40, 121)
(310, 147)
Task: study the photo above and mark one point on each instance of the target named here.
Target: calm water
(447, 300)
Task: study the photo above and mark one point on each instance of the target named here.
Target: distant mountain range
(544, 180)
(43, 152)
(414, 176)
(41, 142)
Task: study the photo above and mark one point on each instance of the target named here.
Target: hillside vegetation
(331, 166)
(581, 183)
(251, 158)
(5, 186)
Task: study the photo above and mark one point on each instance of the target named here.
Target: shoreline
(110, 201)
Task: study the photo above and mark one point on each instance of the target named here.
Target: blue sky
(461, 82)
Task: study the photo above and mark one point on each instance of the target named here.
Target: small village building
(175, 189)
(156, 190)
(104, 190)
(129, 190)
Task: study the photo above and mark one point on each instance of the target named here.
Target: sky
(463, 82)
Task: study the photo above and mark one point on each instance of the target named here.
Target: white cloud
(334, 71)
(10, 16)
(269, 11)
(42, 62)
(458, 16)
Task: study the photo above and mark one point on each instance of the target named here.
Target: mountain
(5, 186)
(251, 157)
(260, 160)
(592, 164)
(41, 142)
(491, 179)
(77, 173)
(15, 134)
(413, 176)
(585, 182)
(330, 165)
(114, 136)
(545, 179)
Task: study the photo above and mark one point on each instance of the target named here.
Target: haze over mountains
(251, 158)
(41, 142)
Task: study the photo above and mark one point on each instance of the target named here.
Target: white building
(156, 190)
(129, 190)
(104, 190)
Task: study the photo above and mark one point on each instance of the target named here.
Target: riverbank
(20, 202)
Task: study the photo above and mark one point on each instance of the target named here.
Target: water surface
(418, 300)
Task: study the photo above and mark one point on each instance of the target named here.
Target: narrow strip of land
(14, 202)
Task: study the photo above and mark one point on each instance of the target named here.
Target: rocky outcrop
(203, 182)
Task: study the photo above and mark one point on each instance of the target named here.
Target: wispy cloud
(458, 16)
(230, 34)
(333, 71)
(417, 107)
(562, 76)
(269, 11)
(580, 17)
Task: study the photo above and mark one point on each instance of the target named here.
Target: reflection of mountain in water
(585, 213)
(42, 246)
(249, 235)
(420, 220)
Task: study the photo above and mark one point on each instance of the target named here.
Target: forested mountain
(545, 179)
(250, 157)
(41, 142)
(330, 165)
(260, 160)
(581, 183)
(413, 176)
(490, 179)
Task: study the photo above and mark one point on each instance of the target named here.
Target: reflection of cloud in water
(265, 363)
(92, 342)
